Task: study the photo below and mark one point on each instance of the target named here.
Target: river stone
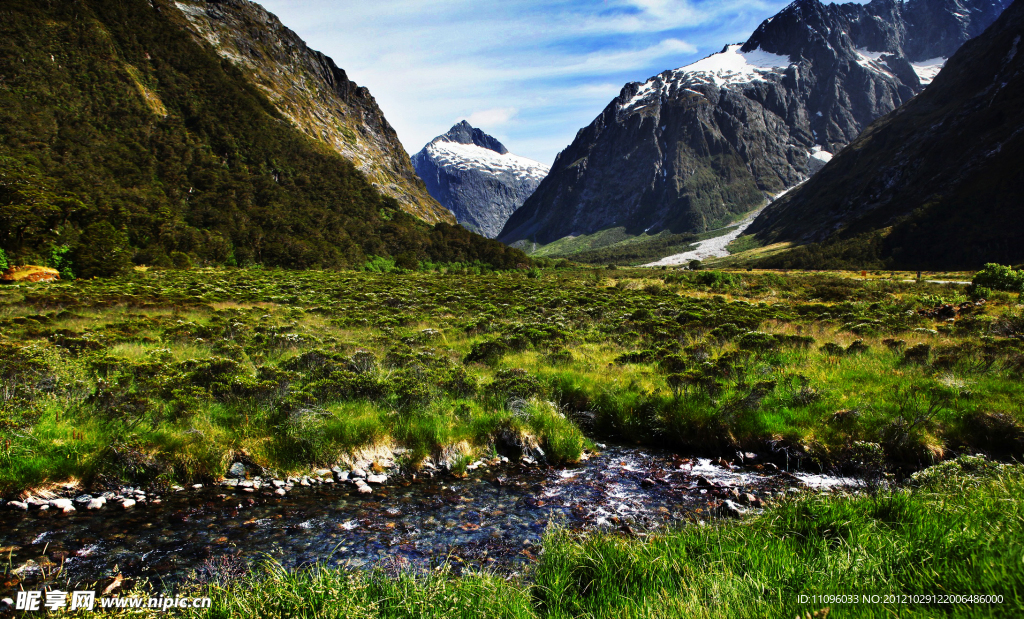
(197, 486)
(95, 504)
(357, 474)
(341, 476)
(278, 483)
(35, 502)
(64, 505)
(83, 499)
(237, 470)
(304, 481)
(280, 492)
(376, 479)
(363, 488)
(647, 482)
(128, 503)
(749, 499)
(732, 509)
(44, 508)
(322, 472)
(18, 505)
(704, 482)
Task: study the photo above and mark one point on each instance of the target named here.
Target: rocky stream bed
(494, 518)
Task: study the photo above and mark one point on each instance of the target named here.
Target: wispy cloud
(494, 117)
(531, 72)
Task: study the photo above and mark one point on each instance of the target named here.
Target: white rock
(128, 503)
(376, 479)
(19, 505)
(96, 503)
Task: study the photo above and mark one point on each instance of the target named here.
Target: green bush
(998, 277)
(60, 259)
(180, 260)
(3, 261)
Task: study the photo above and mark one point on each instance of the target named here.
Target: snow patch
(729, 67)
(927, 69)
(819, 153)
(873, 61)
(469, 157)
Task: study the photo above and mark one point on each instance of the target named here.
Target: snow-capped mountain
(690, 147)
(476, 178)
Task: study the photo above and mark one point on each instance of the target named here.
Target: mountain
(932, 185)
(123, 137)
(694, 147)
(308, 89)
(476, 178)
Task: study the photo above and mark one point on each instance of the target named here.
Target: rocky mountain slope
(932, 185)
(693, 147)
(476, 178)
(314, 94)
(125, 139)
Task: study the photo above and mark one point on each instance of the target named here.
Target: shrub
(999, 277)
(180, 260)
(60, 259)
(3, 261)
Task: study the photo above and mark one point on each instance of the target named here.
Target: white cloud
(494, 117)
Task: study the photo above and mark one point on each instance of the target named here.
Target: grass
(953, 529)
(167, 375)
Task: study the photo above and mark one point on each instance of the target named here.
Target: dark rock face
(693, 146)
(943, 172)
(314, 94)
(476, 178)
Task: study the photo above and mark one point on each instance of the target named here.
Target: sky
(529, 72)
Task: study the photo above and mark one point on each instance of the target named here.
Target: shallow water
(493, 520)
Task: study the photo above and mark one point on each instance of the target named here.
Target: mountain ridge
(124, 139)
(933, 184)
(317, 96)
(696, 146)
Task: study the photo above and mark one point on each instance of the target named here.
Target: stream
(494, 519)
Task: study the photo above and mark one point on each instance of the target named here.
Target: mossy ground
(168, 375)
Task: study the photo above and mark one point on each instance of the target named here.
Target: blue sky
(529, 72)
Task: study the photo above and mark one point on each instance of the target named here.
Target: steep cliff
(476, 178)
(314, 94)
(932, 185)
(693, 147)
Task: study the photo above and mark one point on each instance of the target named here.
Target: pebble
(732, 510)
(197, 486)
(62, 504)
(749, 499)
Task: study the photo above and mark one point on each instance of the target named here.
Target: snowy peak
(476, 178)
(464, 133)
